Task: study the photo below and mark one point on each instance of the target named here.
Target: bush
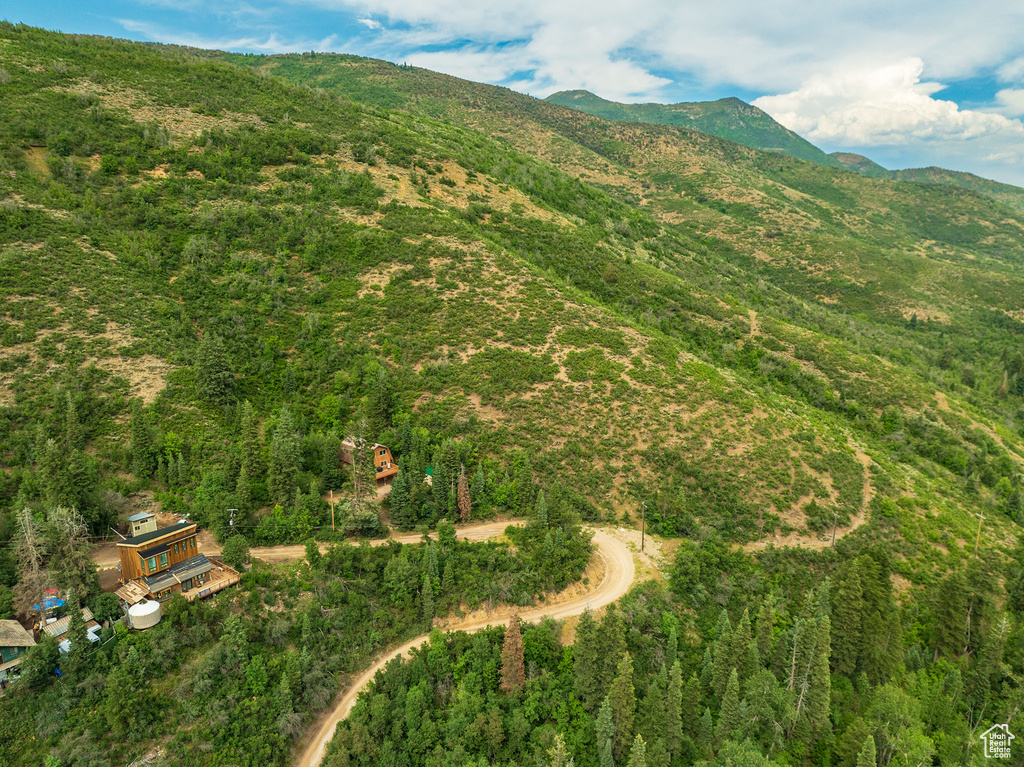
(236, 551)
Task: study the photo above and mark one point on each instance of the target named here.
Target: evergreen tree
(465, 503)
(244, 490)
(605, 732)
(283, 466)
(623, 701)
(330, 464)
(689, 714)
(215, 381)
(819, 697)
(427, 600)
(729, 718)
(611, 644)
(399, 502)
(513, 669)
(586, 678)
(250, 445)
(705, 738)
(143, 453)
(478, 487)
(74, 437)
(671, 647)
(847, 620)
(866, 757)
(540, 511)
(558, 754)
(724, 659)
(741, 638)
(161, 472)
(766, 628)
(638, 753)
(951, 615)
(380, 404)
(674, 710)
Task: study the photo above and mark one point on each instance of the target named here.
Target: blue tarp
(50, 603)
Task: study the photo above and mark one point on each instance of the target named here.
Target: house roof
(159, 549)
(140, 516)
(138, 540)
(13, 634)
(59, 627)
(133, 592)
(182, 571)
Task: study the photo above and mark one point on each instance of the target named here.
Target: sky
(908, 84)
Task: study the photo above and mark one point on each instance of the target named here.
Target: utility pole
(643, 523)
(231, 521)
(978, 539)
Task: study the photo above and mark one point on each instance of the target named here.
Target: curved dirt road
(619, 572)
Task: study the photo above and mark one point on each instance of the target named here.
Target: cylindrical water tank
(145, 614)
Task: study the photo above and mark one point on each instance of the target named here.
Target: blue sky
(908, 84)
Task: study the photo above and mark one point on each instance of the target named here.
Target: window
(175, 548)
(193, 542)
(152, 564)
(163, 559)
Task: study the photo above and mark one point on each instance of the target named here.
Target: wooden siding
(180, 545)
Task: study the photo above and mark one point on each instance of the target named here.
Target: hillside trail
(619, 574)
(805, 541)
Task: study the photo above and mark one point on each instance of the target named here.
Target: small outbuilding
(14, 641)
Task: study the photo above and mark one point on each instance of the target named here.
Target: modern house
(14, 641)
(166, 561)
(382, 461)
(143, 522)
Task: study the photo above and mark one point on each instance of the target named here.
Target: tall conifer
(513, 669)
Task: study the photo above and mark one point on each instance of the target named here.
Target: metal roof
(158, 533)
(59, 627)
(140, 516)
(182, 571)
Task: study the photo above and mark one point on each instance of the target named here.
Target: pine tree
(73, 435)
(215, 381)
(586, 681)
(951, 615)
(380, 404)
(540, 511)
(244, 490)
(623, 700)
(283, 467)
(513, 669)
(558, 754)
(847, 621)
(638, 753)
(478, 487)
(399, 501)
(465, 503)
(143, 454)
(724, 658)
(819, 698)
(741, 637)
(674, 710)
(250, 445)
(690, 708)
(605, 731)
(729, 719)
(161, 472)
(611, 644)
(866, 757)
(705, 738)
(671, 647)
(427, 600)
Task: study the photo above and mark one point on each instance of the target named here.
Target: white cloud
(1010, 101)
(884, 106)
(370, 23)
(268, 44)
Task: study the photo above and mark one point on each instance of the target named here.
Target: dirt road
(107, 556)
(619, 573)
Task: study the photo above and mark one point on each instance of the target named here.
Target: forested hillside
(214, 268)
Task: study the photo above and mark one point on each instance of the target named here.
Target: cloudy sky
(908, 84)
